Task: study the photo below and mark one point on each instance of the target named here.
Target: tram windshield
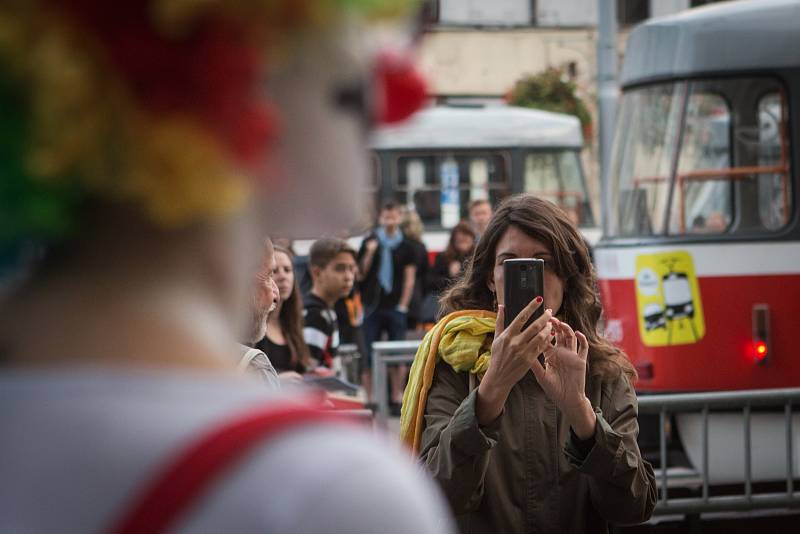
(701, 157)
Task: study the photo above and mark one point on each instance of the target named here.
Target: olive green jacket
(527, 472)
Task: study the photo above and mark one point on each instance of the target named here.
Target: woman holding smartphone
(518, 444)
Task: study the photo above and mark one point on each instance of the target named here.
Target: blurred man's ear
(315, 271)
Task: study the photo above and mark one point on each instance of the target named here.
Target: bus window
(704, 204)
(643, 151)
(441, 186)
(557, 177)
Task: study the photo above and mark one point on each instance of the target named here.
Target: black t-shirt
(279, 355)
(372, 292)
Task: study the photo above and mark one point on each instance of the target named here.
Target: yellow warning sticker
(668, 299)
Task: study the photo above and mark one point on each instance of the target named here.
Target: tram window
(773, 192)
(733, 170)
(732, 175)
(556, 176)
(648, 122)
(703, 201)
(441, 186)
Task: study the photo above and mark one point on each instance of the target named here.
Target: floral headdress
(151, 102)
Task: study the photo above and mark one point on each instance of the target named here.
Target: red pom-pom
(402, 88)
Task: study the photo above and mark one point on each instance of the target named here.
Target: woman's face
(517, 244)
(463, 242)
(283, 275)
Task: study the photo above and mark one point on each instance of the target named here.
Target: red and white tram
(699, 263)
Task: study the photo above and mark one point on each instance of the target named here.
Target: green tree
(550, 90)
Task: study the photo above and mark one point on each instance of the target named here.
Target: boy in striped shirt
(332, 264)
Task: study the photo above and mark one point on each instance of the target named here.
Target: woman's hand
(563, 378)
(290, 378)
(513, 353)
(321, 371)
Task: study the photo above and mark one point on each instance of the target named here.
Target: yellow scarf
(459, 340)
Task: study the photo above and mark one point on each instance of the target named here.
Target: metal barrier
(349, 356)
(664, 405)
(385, 353)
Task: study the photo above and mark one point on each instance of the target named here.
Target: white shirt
(76, 446)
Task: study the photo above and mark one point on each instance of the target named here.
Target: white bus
(443, 158)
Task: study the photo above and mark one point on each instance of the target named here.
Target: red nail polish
(538, 299)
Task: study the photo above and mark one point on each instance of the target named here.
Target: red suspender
(187, 477)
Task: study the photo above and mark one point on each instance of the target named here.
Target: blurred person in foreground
(528, 429)
(143, 153)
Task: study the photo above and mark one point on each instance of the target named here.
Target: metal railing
(386, 353)
(728, 401)
(349, 356)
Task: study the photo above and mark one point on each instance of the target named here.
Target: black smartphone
(523, 282)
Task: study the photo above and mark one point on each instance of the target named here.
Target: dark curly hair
(581, 308)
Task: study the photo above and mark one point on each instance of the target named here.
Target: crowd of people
(478, 437)
(388, 289)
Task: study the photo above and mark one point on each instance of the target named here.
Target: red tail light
(760, 333)
(760, 351)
